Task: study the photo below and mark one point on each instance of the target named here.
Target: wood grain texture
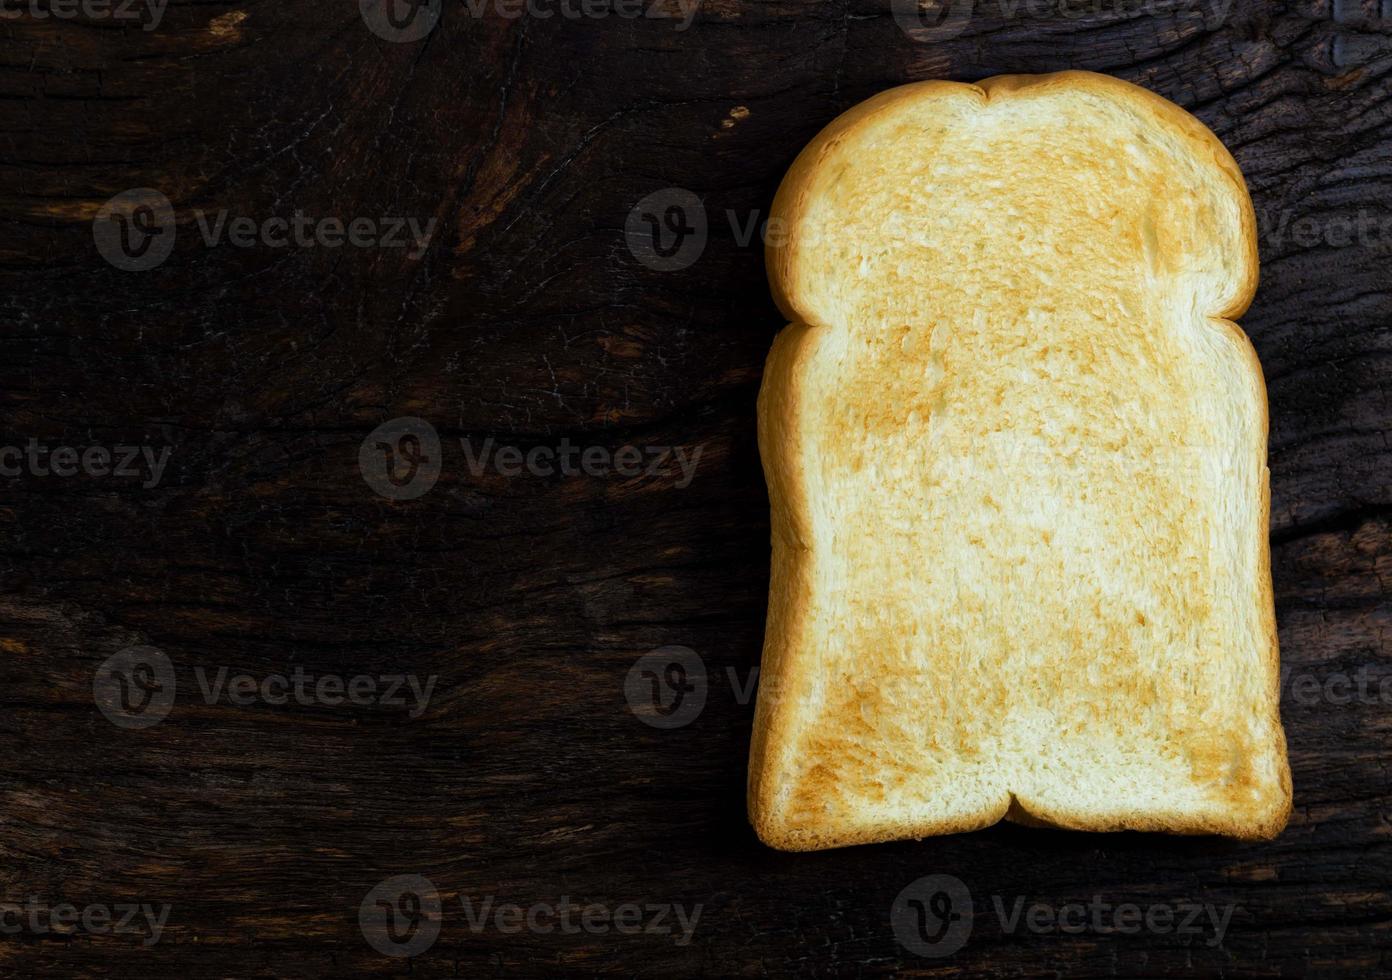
(529, 319)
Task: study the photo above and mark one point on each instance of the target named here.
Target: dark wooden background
(529, 319)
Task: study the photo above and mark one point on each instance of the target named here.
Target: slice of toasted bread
(1016, 455)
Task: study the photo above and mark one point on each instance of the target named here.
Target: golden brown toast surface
(1016, 462)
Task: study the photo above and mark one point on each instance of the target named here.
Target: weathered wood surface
(529, 319)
